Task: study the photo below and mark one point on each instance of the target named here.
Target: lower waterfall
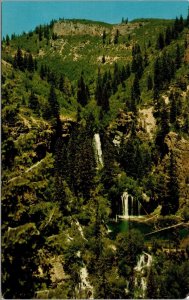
(125, 204)
(85, 284)
(130, 207)
(141, 276)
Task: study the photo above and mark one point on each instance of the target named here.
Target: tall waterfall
(130, 207)
(125, 204)
(98, 150)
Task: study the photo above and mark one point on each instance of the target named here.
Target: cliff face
(63, 28)
(180, 148)
(77, 28)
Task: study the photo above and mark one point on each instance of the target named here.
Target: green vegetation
(128, 83)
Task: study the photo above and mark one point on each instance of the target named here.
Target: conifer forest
(95, 160)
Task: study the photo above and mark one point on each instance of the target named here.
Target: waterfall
(131, 207)
(98, 150)
(85, 284)
(142, 272)
(80, 229)
(125, 204)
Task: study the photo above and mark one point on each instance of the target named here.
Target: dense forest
(95, 164)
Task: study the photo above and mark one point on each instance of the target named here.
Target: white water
(142, 270)
(130, 207)
(125, 204)
(80, 229)
(145, 260)
(85, 284)
(98, 150)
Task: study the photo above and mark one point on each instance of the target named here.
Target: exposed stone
(147, 120)
(180, 148)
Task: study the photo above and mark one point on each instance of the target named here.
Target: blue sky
(19, 16)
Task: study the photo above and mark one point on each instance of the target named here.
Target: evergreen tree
(137, 65)
(98, 91)
(128, 71)
(42, 72)
(160, 41)
(172, 203)
(18, 60)
(82, 92)
(135, 92)
(25, 61)
(31, 65)
(164, 128)
(40, 33)
(7, 40)
(81, 163)
(53, 104)
(61, 83)
(173, 108)
(33, 102)
(116, 37)
(116, 78)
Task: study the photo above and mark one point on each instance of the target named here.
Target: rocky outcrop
(180, 148)
(63, 28)
(147, 120)
(69, 27)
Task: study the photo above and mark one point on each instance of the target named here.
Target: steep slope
(90, 112)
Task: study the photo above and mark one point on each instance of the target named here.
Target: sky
(19, 16)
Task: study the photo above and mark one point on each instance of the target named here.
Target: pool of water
(125, 225)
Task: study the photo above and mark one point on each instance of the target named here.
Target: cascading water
(131, 207)
(125, 206)
(98, 151)
(85, 284)
(142, 272)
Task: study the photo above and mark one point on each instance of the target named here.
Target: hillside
(95, 163)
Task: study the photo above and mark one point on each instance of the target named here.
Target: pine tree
(104, 37)
(33, 102)
(82, 92)
(18, 60)
(7, 40)
(160, 41)
(25, 61)
(170, 203)
(42, 72)
(116, 78)
(163, 128)
(61, 83)
(116, 37)
(98, 91)
(31, 66)
(137, 65)
(168, 36)
(81, 163)
(173, 185)
(40, 33)
(173, 108)
(53, 103)
(135, 92)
